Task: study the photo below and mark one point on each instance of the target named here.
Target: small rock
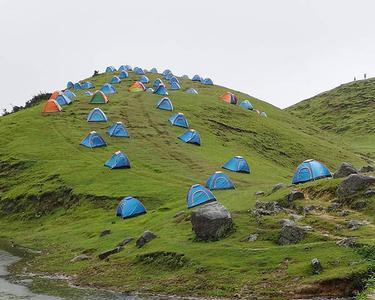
(250, 238)
(260, 194)
(345, 170)
(353, 225)
(334, 206)
(284, 222)
(343, 213)
(266, 208)
(295, 195)
(211, 222)
(278, 186)
(369, 193)
(354, 184)
(367, 169)
(316, 266)
(181, 217)
(125, 241)
(347, 242)
(296, 217)
(146, 237)
(359, 204)
(105, 232)
(80, 258)
(105, 254)
(291, 234)
(308, 209)
(308, 228)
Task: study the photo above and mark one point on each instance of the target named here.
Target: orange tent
(51, 106)
(137, 87)
(229, 97)
(55, 94)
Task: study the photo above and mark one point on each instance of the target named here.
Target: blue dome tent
(144, 79)
(63, 100)
(208, 81)
(93, 140)
(70, 94)
(123, 74)
(97, 115)
(191, 137)
(130, 207)
(174, 79)
(118, 130)
(108, 89)
(154, 71)
(110, 69)
(118, 161)
(125, 68)
(197, 78)
(87, 85)
(237, 164)
(219, 181)
(310, 170)
(165, 104)
(165, 72)
(169, 76)
(179, 120)
(157, 82)
(161, 90)
(115, 80)
(175, 86)
(246, 105)
(77, 86)
(70, 85)
(192, 91)
(198, 195)
(139, 71)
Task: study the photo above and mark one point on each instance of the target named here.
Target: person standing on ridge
(365, 76)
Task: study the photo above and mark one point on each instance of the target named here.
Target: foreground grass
(57, 197)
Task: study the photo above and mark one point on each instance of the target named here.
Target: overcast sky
(279, 51)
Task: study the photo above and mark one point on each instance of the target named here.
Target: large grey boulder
(145, 238)
(345, 170)
(291, 234)
(211, 222)
(353, 224)
(354, 184)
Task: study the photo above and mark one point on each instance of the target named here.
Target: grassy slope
(347, 110)
(163, 168)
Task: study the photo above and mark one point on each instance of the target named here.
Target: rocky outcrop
(105, 254)
(354, 184)
(291, 233)
(367, 169)
(347, 242)
(145, 238)
(211, 222)
(345, 170)
(266, 208)
(295, 195)
(353, 225)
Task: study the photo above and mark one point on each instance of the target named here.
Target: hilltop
(60, 194)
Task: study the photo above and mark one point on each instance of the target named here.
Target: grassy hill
(347, 110)
(56, 196)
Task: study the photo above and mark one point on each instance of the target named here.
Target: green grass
(57, 196)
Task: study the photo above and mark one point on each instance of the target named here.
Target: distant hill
(347, 110)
